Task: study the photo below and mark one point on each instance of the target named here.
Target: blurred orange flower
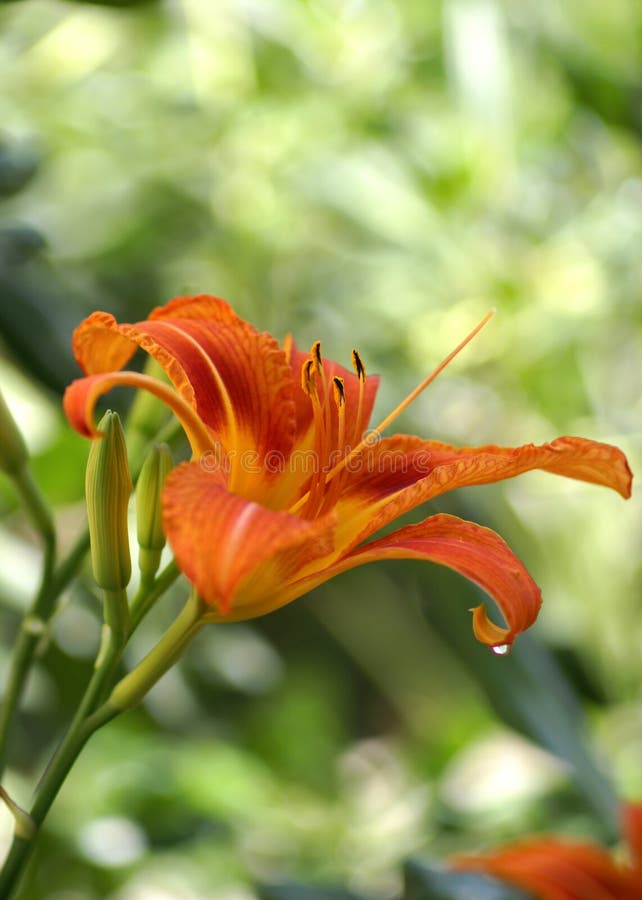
(286, 486)
(553, 869)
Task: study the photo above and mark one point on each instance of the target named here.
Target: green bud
(13, 452)
(108, 486)
(151, 537)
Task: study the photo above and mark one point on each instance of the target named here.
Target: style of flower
(554, 869)
(286, 486)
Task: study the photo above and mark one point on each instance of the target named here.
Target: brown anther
(338, 390)
(359, 367)
(308, 371)
(316, 355)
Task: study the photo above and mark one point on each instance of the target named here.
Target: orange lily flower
(284, 491)
(553, 869)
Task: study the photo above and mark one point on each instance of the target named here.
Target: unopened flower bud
(151, 537)
(13, 452)
(108, 486)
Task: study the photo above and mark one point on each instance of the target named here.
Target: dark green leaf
(20, 244)
(17, 167)
(423, 881)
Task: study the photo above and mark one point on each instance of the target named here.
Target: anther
(307, 377)
(359, 367)
(339, 391)
(316, 355)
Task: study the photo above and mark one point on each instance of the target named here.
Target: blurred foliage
(356, 171)
(424, 882)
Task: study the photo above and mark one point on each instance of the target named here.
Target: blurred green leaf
(36, 322)
(423, 881)
(19, 244)
(17, 167)
(295, 891)
(531, 694)
(117, 3)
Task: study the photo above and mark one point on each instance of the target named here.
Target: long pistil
(374, 435)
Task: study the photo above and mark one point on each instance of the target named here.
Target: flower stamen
(373, 436)
(339, 396)
(360, 369)
(309, 372)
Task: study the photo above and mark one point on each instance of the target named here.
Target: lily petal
(237, 379)
(472, 550)
(237, 553)
(400, 472)
(81, 396)
(632, 829)
(557, 871)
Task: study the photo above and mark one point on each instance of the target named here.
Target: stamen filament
(339, 394)
(315, 353)
(309, 370)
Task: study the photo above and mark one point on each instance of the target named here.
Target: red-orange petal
(631, 815)
(239, 554)
(472, 550)
(236, 378)
(399, 473)
(81, 396)
(556, 870)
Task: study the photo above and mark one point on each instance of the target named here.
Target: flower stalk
(133, 687)
(14, 460)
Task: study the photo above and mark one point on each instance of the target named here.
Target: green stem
(133, 687)
(34, 626)
(88, 719)
(149, 592)
(68, 568)
(35, 504)
(77, 736)
(35, 621)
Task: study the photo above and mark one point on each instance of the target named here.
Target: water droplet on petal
(501, 649)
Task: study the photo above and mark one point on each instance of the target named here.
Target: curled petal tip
(78, 411)
(487, 632)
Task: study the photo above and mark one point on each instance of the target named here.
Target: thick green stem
(133, 687)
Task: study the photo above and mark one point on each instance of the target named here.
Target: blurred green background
(375, 174)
